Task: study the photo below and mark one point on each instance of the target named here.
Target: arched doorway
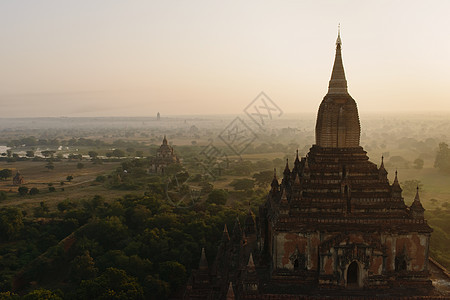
(353, 275)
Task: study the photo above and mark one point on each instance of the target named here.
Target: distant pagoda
(165, 157)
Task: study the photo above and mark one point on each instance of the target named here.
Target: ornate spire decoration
(287, 171)
(416, 208)
(230, 293)
(203, 264)
(382, 171)
(284, 201)
(225, 235)
(274, 183)
(165, 140)
(338, 82)
(396, 180)
(251, 264)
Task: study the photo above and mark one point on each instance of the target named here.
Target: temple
(332, 226)
(165, 157)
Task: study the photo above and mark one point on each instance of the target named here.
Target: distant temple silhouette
(164, 157)
(333, 227)
(18, 179)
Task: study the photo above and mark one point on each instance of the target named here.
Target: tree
(442, 160)
(112, 284)
(155, 288)
(23, 190)
(9, 296)
(34, 191)
(83, 267)
(174, 273)
(75, 156)
(140, 153)
(418, 163)
(100, 178)
(5, 174)
(69, 178)
(42, 294)
(118, 153)
(30, 153)
(410, 187)
(93, 154)
(10, 222)
(242, 184)
(263, 178)
(48, 153)
(218, 197)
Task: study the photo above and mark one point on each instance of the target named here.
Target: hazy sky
(126, 58)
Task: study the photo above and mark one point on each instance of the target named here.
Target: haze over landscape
(115, 58)
(224, 149)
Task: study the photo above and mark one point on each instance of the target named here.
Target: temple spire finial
(203, 264)
(338, 82)
(338, 40)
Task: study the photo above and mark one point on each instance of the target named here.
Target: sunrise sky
(135, 58)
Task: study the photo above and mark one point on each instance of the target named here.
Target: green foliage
(100, 178)
(51, 189)
(66, 205)
(9, 296)
(5, 174)
(10, 222)
(42, 210)
(155, 288)
(263, 178)
(83, 268)
(137, 247)
(398, 162)
(440, 238)
(112, 284)
(23, 190)
(217, 197)
(242, 184)
(42, 294)
(93, 154)
(418, 163)
(410, 187)
(30, 153)
(442, 160)
(118, 153)
(174, 273)
(69, 178)
(48, 153)
(34, 191)
(75, 156)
